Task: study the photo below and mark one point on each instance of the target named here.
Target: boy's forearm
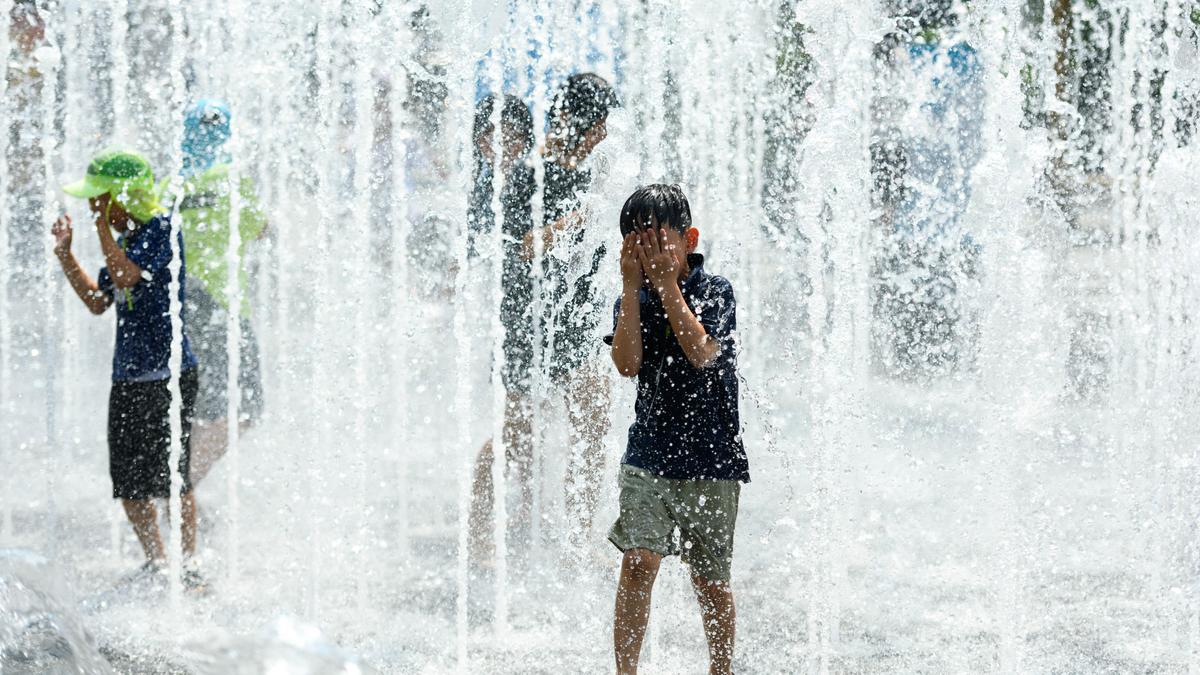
(697, 345)
(627, 339)
(125, 274)
(87, 290)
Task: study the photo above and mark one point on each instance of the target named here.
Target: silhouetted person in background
(22, 193)
(516, 195)
(578, 123)
(205, 214)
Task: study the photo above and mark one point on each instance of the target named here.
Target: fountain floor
(922, 585)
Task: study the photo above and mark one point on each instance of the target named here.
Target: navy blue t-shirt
(687, 422)
(144, 311)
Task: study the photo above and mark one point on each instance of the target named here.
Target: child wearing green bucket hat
(119, 186)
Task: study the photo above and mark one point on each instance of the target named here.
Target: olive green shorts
(703, 511)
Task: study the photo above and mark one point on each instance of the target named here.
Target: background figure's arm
(548, 232)
(125, 273)
(699, 347)
(627, 338)
(252, 220)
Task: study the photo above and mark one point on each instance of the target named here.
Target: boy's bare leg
(479, 519)
(210, 442)
(144, 518)
(587, 407)
(639, 567)
(518, 440)
(189, 523)
(518, 444)
(210, 439)
(717, 611)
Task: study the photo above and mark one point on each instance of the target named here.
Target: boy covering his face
(684, 463)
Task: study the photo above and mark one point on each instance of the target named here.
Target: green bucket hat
(126, 176)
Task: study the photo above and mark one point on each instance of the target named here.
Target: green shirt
(205, 221)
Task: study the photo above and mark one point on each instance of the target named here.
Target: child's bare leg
(479, 520)
(717, 611)
(518, 446)
(639, 567)
(189, 523)
(190, 517)
(144, 518)
(210, 440)
(587, 407)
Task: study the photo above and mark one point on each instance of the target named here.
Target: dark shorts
(208, 335)
(139, 436)
(518, 339)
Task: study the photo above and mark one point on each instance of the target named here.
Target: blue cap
(210, 113)
(205, 130)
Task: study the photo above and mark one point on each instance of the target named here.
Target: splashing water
(960, 238)
(41, 630)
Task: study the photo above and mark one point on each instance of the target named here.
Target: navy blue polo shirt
(687, 422)
(144, 311)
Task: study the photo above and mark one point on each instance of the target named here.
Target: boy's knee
(712, 587)
(641, 562)
(140, 512)
(483, 463)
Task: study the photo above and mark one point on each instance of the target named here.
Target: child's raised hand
(631, 264)
(659, 259)
(62, 235)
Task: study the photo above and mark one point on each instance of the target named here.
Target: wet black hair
(582, 102)
(515, 119)
(665, 203)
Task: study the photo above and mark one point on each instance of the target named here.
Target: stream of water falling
(6, 327)
(983, 454)
(495, 303)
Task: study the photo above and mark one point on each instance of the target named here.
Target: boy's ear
(693, 238)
